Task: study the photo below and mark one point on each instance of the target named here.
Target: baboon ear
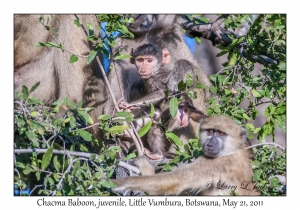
(132, 58)
(243, 133)
(166, 57)
(197, 115)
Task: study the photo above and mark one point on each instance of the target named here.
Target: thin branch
(266, 143)
(83, 56)
(45, 141)
(22, 106)
(63, 176)
(135, 137)
(118, 78)
(36, 186)
(220, 36)
(129, 167)
(85, 128)
(210, 31)
(77, 154)
(19, 179)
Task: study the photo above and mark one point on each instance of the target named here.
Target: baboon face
(220, 136)
(146, 65)
(214, 142)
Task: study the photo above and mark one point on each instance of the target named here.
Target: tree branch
(220, 36)
(265, 143)
(135, 137)
(77, 154)
(210, 31)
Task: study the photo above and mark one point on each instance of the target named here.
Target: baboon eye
(211, 131)
(221, 133)
(140, 60)
(150, 60)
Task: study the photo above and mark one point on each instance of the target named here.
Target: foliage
(59, 173)
(239, 89)
(238, 83)
(267, 164)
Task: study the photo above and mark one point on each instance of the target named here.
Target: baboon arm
(153, 98)
(159, 184)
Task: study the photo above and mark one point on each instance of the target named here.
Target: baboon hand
(126, 107)
(120, 185)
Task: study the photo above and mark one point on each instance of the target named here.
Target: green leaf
(86, 116)
(32, 137)
(38, 175)
(50, 44)
(73, 58)
(250, 126)
(76, 166)
(79, 105)
(189, 80)
(173, 106)
(118, 129)
(34, 101)
(76, 22)
(126, 115)
(152, 111)
(111, 41)
(213, 89)
(47, 157)
(107, 184)
(198, 40)
(16, 95)
(201, 86)
(34, 114)
(222, 53)
(282, 66)
(246, 116)
(97, 175)
(24, 93)
(105, 117)
(91, 29)
(174, 138)
(204, 19)
(255, 93)
(56, 164)
(181, 86)
(83, 148)
(91, 56)
(72, 122)
(20, 165)
(227, 92)
(131, 156)
(122, 56)
(34, 87)
(85, 135)
(256, 175)
(56, 177)
(27, 170)
(145, 129)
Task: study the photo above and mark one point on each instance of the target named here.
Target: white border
(8, 8)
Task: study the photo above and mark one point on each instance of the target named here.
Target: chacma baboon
(224, 168)
(50, 66)
(163, 31)
(79, 81)
(150, 61)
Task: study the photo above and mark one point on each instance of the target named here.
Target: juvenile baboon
(225, 166)
(163, 31)
(79, 81)
(150, 61)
